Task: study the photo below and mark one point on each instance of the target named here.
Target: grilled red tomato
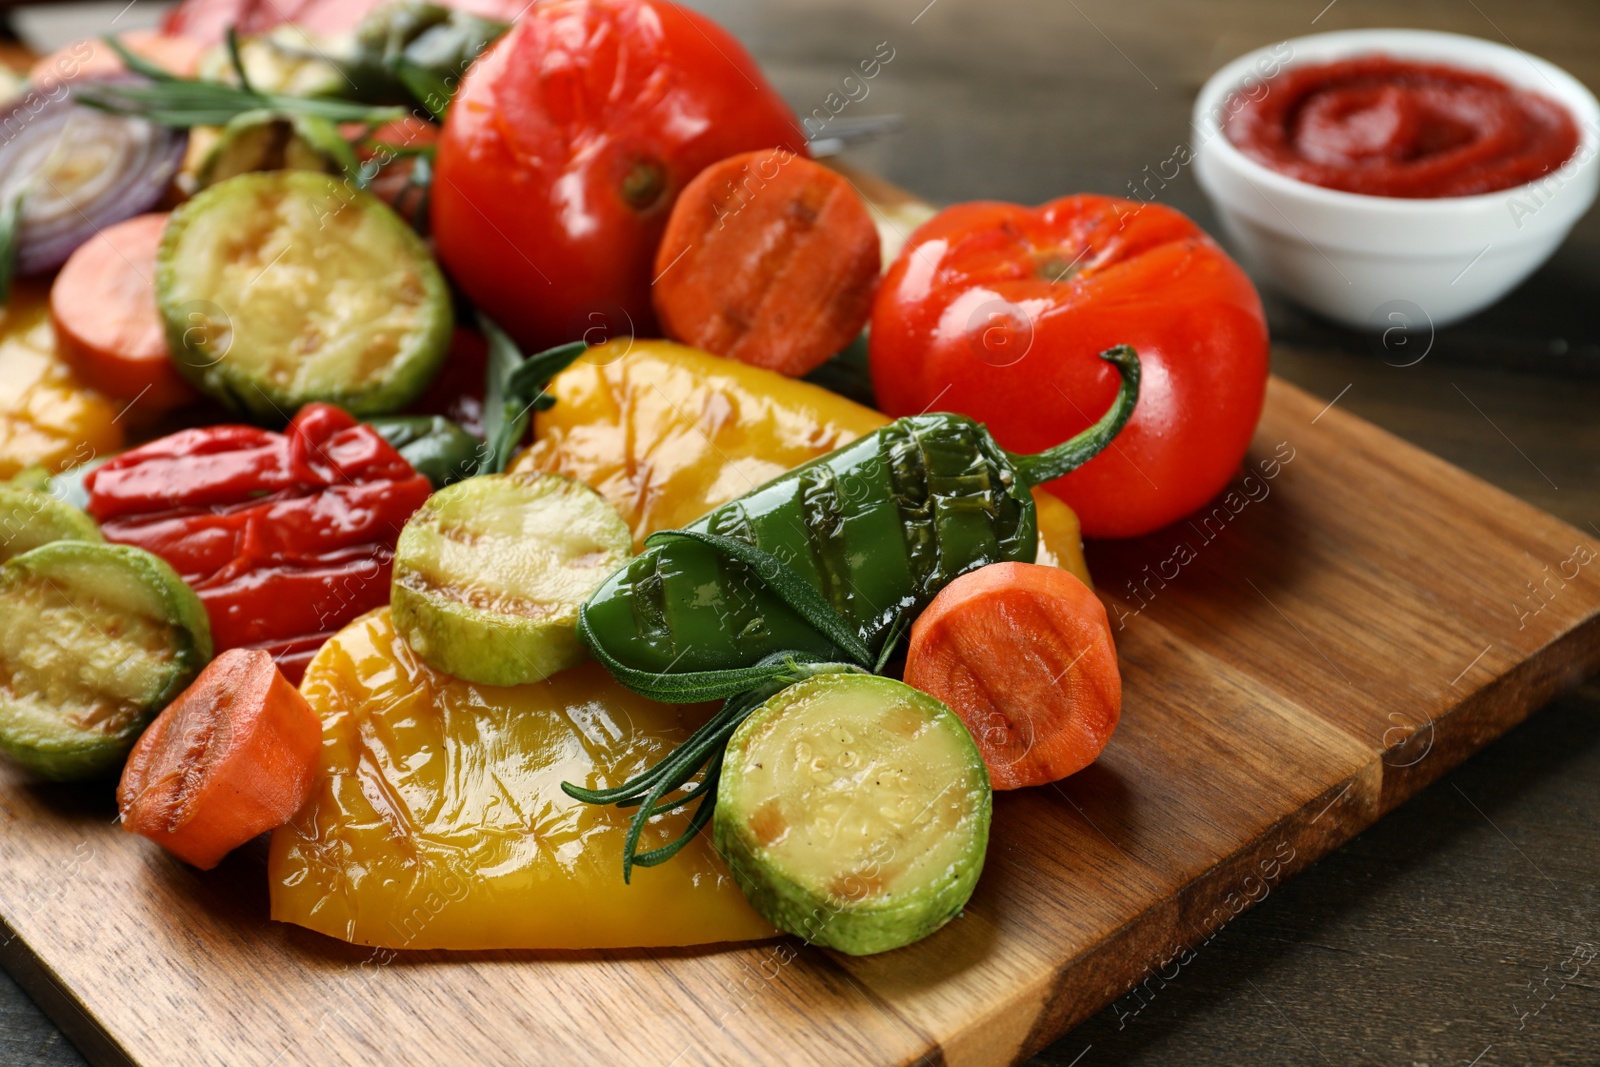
(568, 143)
(997, 312)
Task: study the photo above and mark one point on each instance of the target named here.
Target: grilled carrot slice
(235, 755)
(107, 324)
(770, 259)
(1023, 654)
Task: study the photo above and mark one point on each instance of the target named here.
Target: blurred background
(1433, 938)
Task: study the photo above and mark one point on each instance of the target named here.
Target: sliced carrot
(235, 755)
(770, 259)
(107, 325)
(1023, 654)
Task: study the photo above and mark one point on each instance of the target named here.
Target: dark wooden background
(1450, 933)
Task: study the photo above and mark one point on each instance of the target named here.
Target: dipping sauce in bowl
(1384, 126)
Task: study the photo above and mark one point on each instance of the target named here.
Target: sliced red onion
(79, 169)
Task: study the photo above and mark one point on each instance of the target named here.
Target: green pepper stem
(1070, 455)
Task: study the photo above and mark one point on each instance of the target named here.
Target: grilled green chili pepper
(440, 450)
(832, 559)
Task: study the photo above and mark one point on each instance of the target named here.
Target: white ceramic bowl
(1357, 258)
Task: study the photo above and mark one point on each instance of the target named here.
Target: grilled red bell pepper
(285, 537)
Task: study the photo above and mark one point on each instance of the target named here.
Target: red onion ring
(80, 170)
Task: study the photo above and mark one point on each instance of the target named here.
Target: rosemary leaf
(702, 815)
(10, 239)
(237, 60)
(891, 642)
(169, 100)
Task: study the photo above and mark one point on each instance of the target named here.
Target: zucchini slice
(287, 287)
(29, 518)
(266, 140)
(854, 812)
(95, 640)
(490, 572)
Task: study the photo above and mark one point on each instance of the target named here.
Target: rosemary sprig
(702, 754)
(238, 61)
(10, 241)
(169, 100)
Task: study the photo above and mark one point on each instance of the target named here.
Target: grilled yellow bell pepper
(48, 417)
(666, 433)
(438, 820)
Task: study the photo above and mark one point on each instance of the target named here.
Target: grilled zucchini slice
(854, 810)
(30, 518)
(490, 573)
(95, 640)
(286, 287)
(265, 141)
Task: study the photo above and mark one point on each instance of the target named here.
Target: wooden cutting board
(1351, 620)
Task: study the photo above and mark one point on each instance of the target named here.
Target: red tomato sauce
(1391, 127)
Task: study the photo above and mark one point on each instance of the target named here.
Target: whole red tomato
(998, 311)
(566, 147)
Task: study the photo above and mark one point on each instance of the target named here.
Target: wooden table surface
(1464, 928)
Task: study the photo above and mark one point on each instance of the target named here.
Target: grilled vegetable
(854, 812)
(235, 755)
(103, 304)
(48, 415)
(652, 426)
(490, 573)
(832, 559)
(30, 518)
(1023, 654)
(289, 287)
(286, 537)
(78, 170)
(489, 853)
(95, 639)
(267, 140)
(769, 259)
